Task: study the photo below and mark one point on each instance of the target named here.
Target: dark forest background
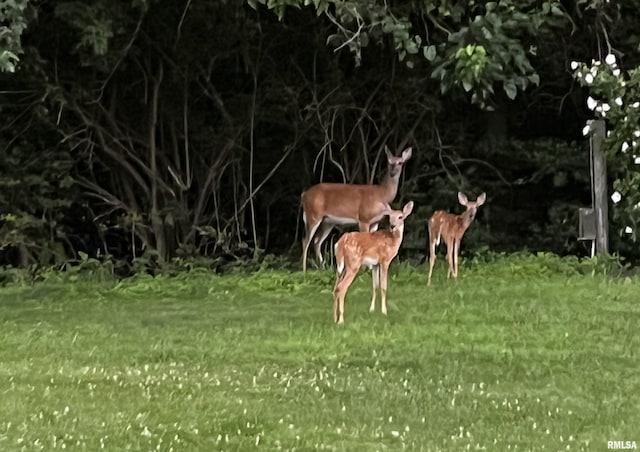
(145, 131)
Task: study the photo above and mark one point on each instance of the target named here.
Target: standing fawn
(326, 205)
(375, 250)
(451, 228)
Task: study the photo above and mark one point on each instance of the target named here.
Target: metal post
(599, 184)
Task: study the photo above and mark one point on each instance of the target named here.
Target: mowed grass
(525, 354)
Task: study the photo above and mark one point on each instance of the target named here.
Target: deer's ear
(406, 210)
(481, 199)
(385, 209)
(388, 152)
(462, 199)
(406, 154)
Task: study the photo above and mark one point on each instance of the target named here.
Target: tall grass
(521, 353)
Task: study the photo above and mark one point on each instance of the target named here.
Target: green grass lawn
(518, 354)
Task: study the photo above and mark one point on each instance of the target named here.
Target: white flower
(588, 78)
(610, 59)
(624, 147)
(636, 160)
(574, 65)
(628, 230)
(606, 107)
(586, 129)
(591, 103)
(616, 197)
(616, 72)
(618, 101)
(636, 104)
(636, 133)
(395, 433)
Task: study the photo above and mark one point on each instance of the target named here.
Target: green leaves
(470, 63)
(279, 7)
(8, 61)
(94, 24)
(34, 192)
(614, 95)
(489, 50)
(494, 36)
(430, 52)
(510, 89)
(13, 22)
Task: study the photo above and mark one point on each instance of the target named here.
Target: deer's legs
(433, 243)
(383, 270)
(432, 258)
(311, 225)
(450, 259)
(336, 301)
(456, 257)
(321, 235)
(339, 293)
(375, 277)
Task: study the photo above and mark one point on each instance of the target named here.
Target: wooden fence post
(599, 184)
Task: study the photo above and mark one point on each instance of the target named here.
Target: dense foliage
(148, 130)
(618, 100)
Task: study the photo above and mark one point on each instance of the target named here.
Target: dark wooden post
(599, 184)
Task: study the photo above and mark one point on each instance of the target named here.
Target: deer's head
(397, 217)
(472, 206)
(396, 162)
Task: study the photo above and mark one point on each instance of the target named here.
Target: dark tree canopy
(147, 130)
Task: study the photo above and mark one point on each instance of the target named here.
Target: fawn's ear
(406, 154)
(406, 210)
(481, 199)
(462, 199)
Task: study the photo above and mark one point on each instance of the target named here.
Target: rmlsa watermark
(623, 445)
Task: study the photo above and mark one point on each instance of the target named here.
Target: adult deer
(375, 250)
(327, 205)
(451, 228)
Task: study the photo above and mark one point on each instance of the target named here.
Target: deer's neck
(390, 186)
(394, 237)
(467, 219)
